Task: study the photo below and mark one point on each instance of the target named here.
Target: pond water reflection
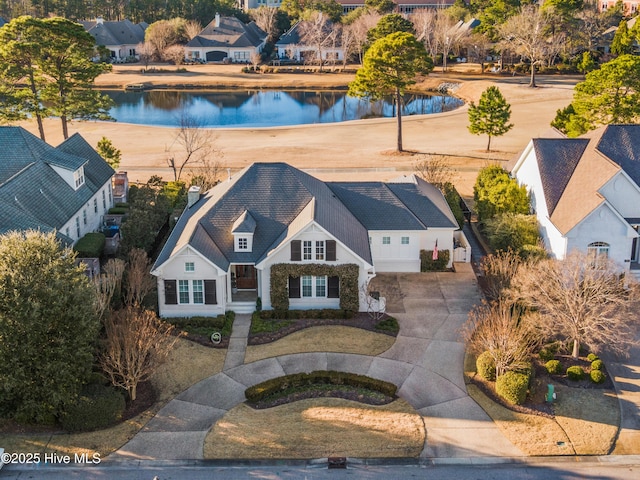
(262, 108)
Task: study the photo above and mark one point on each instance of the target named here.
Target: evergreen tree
(622, 43)
(394, 22)
(491, 115)
(111, 154)
(48, 326)
(388, 68)
(495, 192)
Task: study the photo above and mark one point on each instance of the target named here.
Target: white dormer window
(78, 177)
(243, 243)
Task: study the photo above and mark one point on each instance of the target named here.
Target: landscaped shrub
(592, 357)
(512, 386)
(575, 373)
(453, 199)
(597, 364)
(597, 376)
(428, 264)
(281, 385)
(486, 366)
(206, 325)
(511, 230)
(118, 211)
(496, 192)
(388, 325)
(532, 252)
(554, 367)
(90, 246)
(547, 353)
(97, 407)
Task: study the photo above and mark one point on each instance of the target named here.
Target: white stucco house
(291, 46)
(121, 37)
(586, 192)
(226, 39)
(270, 216)
(66, 189)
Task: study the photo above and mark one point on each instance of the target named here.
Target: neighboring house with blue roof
(121, 38)
(585, 192)
(219, 255)
(226, 39)
(66, 189)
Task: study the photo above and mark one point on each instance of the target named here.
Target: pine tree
(491, 115)
(623, 40)
(111, 154)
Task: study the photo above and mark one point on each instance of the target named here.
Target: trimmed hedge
(97, 407)
(554, 367)
(592, 357)
(221, 323)
(486, 366)
(388, 325)
(513, 386)
(279, 385)
(90, 246)
(348, 274)
(597, 376)
(428, 264)
(575, 373)
(325, 313)
(118, 210)
(597, 364)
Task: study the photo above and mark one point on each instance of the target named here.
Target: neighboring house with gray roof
(66, 189)
(121, 37)
(220, 254)
(292, 45)
(585, 192)
(226, 39)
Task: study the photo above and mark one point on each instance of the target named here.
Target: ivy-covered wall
(348, 274)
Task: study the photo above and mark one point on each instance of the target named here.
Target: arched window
(597, 252)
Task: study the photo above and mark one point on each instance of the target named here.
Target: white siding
(283, 255)
(623, 195)
(603, 225)
(174, 269)
(94, 220)
(396, 257)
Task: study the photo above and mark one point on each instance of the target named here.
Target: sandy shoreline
(333, 151)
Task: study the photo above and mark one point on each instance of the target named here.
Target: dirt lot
(332, 151)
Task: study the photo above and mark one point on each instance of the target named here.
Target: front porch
(244, 288)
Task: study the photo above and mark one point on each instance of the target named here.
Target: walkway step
(238, 342)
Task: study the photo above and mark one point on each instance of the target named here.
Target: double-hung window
(198, 291)
(320, 250)
(386, 240)
(307, 286)
(307, 250)
(183, 291)
(321, 286)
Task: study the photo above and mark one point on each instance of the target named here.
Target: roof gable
(621, 144)
(229, 32)
(557, 160)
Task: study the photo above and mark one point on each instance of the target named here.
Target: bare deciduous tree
(499, 270)
(192, 28)
(498, 328)
(145, 52)
(207, 175)
(197, 143)
(528, 34)
(435, 169)
(376, 305)
(478, 46)
(583, 299)
(174, 54)
(317, 32)
(424, 22)
(349, 44)
(266, 18)
(136, 344)
(256, 58)
(107, 284)
(360, 27)
(138, 280)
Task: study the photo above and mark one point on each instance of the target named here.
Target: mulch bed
(145, 398)
(360, 320)
(204, 341)
(368, 398)
(535, 403)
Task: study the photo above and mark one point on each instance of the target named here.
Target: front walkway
(425, 362)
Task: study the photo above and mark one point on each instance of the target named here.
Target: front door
(246, 277)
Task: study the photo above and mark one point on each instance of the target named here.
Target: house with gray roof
(121, 37)
(227, 39)
(293, 46)
(66, 189)
(221, 253)
(585, 192)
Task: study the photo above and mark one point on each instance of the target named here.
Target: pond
(261, 108)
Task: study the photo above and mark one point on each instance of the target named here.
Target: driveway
(425, 362)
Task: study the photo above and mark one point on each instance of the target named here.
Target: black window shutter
(294, 287)
(170, 293)
(331, 250)
(296, 250)
(333, 290)
(210, 295)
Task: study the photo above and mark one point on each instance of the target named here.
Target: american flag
(435, 251)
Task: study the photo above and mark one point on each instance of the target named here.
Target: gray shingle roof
(231, 32)
(621, 144)
(557, 160)
(32, 194)
(115, 33)
(282, 199)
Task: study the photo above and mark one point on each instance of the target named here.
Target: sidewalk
(426, 363)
